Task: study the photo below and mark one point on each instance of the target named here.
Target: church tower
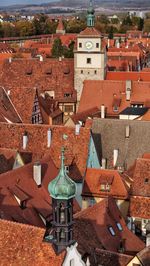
(89, 56)
(62, 190)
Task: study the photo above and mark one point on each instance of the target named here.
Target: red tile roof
(60, 25)
(8, 112)
(90, 31)
(37, 143)
(106, 214)
(141, 178)
(95, 93)
(95, 177)
(31, 73)
(23, 245)
(8, 156)
(139, 207)
(135, 76)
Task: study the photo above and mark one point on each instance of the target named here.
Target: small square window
(88, 60)
(97, 45)
(80, 44)
(95, 72)
(81, 71)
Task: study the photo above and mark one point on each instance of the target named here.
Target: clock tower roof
(90, 32)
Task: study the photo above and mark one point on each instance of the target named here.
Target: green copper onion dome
(62, 187)
(90, 15)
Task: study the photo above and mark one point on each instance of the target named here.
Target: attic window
(111, 230)
(105, 187)
(67, 95)
(119, 226)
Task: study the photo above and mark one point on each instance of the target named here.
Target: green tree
(57, 49)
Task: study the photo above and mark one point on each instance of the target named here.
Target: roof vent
(37, 173)
(66, 70)
(49, 138)
(25, 140)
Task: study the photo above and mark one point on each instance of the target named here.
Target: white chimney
(148, 240)
(49, 138)
(127, 131)
(128, 90)
(37, 176)
(41, 58)
(8, 92)
(77, 129)
(10, 59)
(115, 156)
(25, 140)
(108, 43)
(88, 262)
(60, 58)
(103, 163)
(102, 111)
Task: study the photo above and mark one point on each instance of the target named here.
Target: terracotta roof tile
(106, 214)
(90, 31)
(95, 177)
(132, 75)
(95, 93)
(27, 248)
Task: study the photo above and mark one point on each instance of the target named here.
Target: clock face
(89, 45)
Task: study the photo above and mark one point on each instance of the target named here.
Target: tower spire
(90, 15)
(62, 190)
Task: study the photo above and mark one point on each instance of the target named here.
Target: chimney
(10, 59)
(25, 140)
(60, 58)
(127, 131)
(41, 58)
(102, 111)
(77, 129)
(128, 90)
(108, 43)
(115, 157)
(49, 138)
(37, 173)
(8, 92)
(103, 163)
(148, 240)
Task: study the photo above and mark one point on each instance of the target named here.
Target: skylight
(119, 226)
(111, 231)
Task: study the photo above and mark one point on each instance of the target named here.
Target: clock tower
(89, 56)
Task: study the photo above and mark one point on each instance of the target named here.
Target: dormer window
(105, 187)
(67, 95)
(111, 230)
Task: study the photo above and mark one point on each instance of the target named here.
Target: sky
(24, 2)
